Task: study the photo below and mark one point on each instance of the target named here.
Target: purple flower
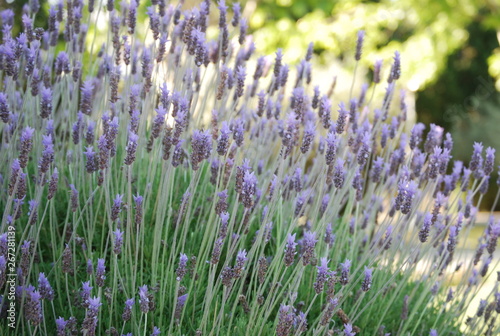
(158, 122)
(90, 267)
(416, 135)
(290, 250)
(322, 275)
(329, 236)
(406, 194)
(85, 293)
(324, 111)
(53, 184)
(100, 273)
(77, 128)
(74, 198)
(181, 301)
(89, 324)
(388, 238)
(216, 252)
(202, 146)
(494, 233)
(127, 310)
(118, 241)
(339, 174)
(132, 15)
(404, 310)
(243, 31)
(377, 168)
(434, 138)
(433, 332)
(476, 161)
(44, 287)
(4, 108)
(342, 119)
(481, 308)
(348, 330)
(248, 189)
(223, 140)
(424, 231)
(328, 311)
(131, 148)
(308, 137)
(241, 258)
(240, 80)
(178, 154)
(345, 268)
(359, 44)
(286, 318)
(91, 165)
(3, 270)
(33, 307)
(376, 71)
(156, 331)
(332, 145)
(86, 97)
(144, 299)
(116, 207)
(138, 209)
(61, 326)
(367, 281)
(365, 150)
(490, 161)
(181, 269)
(239, 132)
(396, 68)
(46, 103)
(308, 243)
(26, 145)
(299, 203)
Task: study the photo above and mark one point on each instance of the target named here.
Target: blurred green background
(450, 53)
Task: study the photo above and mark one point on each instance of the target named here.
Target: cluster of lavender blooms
(168, 182)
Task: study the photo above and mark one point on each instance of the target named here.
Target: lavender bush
(170, 182)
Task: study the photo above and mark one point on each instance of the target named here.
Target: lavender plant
(172, 182)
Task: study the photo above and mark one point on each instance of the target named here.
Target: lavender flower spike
(118, 241)
(4, 108)
(26, 140)
(359, 44)
(345, 268)
(46, 103)
(89, 324)
(116, 207)
(45, 289)
(286, 318)
(181, 270)
(144, 299)
(248, 189)
(202, 146)
(322, 275)
(181, 301)
(290, 250)
(348, 330)
(367, 281)
(100, 273)
(61, 326)
(308, 243)
(396, 68)
(131, 148)
(127, 310)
